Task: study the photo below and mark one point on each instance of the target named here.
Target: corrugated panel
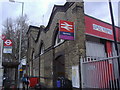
(114, 53)
(95, 49)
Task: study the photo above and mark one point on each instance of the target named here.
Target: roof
(30, 26)
(58, 8)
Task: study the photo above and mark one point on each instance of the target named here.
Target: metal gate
(99, 72)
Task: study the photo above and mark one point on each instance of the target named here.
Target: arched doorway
(58, 68)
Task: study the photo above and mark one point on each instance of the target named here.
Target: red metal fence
(100, 72)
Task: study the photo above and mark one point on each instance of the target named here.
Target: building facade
(50, 57)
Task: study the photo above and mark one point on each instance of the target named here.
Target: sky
(39, 11)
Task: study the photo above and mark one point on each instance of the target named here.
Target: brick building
(50, 57)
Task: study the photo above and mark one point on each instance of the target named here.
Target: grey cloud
(10, 10)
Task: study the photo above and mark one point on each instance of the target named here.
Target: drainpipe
(39, 68)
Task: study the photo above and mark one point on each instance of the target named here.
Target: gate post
(81, 72)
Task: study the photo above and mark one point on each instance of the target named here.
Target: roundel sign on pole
(8, 42)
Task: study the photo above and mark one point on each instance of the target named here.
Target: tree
(11, 29)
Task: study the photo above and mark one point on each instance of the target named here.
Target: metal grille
(97, 72)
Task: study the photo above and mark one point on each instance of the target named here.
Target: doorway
(58, 68)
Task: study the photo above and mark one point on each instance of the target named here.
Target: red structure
(100, 29)
(100, 44)
(33, 81)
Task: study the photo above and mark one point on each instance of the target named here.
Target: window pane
(58, 40)
(42, 49)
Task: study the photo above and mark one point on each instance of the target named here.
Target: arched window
(33, 56)
(42, 49)
(58, 40)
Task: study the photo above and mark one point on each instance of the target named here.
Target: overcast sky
(38, 11)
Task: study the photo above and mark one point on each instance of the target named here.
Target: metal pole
(20, 46)
(21, 32)
(21, 28)
(20, 41)
(1, 69)
(1, 53)
(113, 27)
(114, 34)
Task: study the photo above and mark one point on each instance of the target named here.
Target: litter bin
(63, 83)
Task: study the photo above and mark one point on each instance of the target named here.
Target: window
(58, 40)
(33, 55)
(41, 49)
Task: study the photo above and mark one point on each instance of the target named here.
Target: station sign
(66, 30)
(8, 42)
(100, 29)
(7, 46)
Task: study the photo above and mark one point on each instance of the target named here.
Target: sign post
(2, 37)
